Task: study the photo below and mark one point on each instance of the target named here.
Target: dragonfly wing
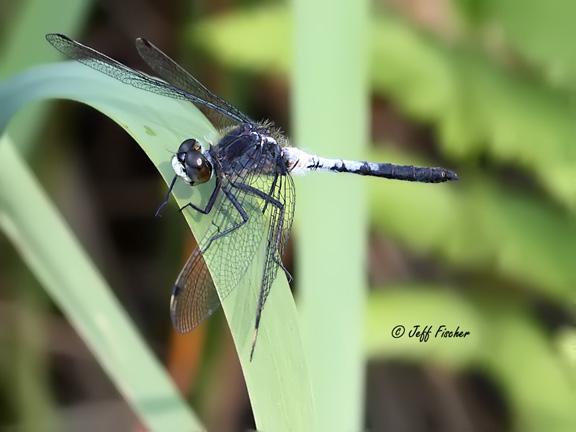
(172, 72)
(114, 69)
(196, 295)
(279, 222)
(260, 173)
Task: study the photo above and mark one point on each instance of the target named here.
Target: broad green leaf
(330, 118)
(277, 378)
(19, 48)
(330, 107)
(51, 251)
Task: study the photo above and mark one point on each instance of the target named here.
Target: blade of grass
(57, 260)
(21, 50)
(277, 379)
(30, 371)
(35, 18)
(330, 111)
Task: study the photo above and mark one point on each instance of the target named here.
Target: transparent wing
(278, 216)
(172, 72)
(261, 172)
(286, 194)
(194, 296)
(108, 66)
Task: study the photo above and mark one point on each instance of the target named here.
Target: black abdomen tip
(433, 175)
(450, 175)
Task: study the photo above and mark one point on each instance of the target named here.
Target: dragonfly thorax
(248, 148)
(191, 164)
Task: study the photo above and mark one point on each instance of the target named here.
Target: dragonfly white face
(179, 169)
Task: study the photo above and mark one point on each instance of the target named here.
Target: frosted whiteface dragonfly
(253, 196)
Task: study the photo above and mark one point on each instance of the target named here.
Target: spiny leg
(227, 231)
(211, 200)
(272, 187)
(258, 193)
(166, 198)
(268, 199)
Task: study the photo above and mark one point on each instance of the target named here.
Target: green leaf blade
(277, 378)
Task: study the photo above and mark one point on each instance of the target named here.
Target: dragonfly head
(191, 164)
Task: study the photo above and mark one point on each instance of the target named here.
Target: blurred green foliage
(477, 106)
(510, 221)
(538, 34)
(21, 48)
(498, 92)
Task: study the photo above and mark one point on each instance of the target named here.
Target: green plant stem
(277, 379)
(330, 112)
(58, 261)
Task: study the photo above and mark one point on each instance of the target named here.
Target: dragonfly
(253, 197)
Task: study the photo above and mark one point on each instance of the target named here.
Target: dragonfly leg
(268, 199)
(258, 193)
(211, 200)
(166, 198)
(227, 231)
(272, 187)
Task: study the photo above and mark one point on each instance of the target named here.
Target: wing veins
(176, 75)
(114, 69)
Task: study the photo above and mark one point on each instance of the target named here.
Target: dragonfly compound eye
(187, 145)
(197, 167)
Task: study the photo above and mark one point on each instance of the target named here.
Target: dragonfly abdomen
(392, 171)
(300, 162)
